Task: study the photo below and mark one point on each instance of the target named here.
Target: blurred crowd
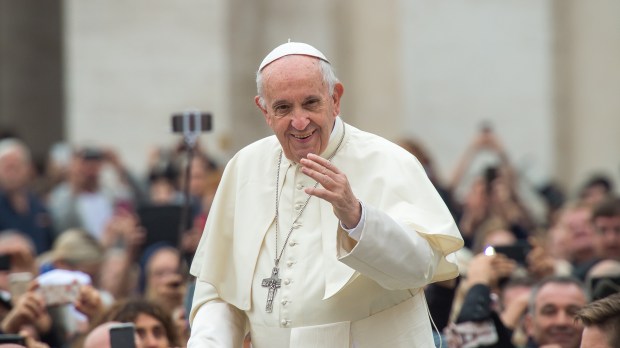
(85, 244)
(536, 257)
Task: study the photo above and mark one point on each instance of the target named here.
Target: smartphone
(5, 262)
(59, 294)
(12, 338)
(123, 336)
(92, 153)
(18, 284)
(517, 252)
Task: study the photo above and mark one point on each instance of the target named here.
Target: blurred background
(512, 107)
(543, 75)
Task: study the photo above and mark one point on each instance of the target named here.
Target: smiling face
(553, 320)
(297, 105)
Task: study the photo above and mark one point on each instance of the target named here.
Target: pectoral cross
(273, 283)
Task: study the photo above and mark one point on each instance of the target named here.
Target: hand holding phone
(517, 252)
(28, 309)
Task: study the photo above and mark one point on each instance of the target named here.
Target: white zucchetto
(291, 48)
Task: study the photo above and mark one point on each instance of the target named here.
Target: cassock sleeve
(394, 256)
(214, 323)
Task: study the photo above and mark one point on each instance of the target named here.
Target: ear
(338, 92)
(257, 100)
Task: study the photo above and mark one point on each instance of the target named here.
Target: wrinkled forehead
(292, 65)
(293, 75)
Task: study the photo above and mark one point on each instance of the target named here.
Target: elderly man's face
(299, 108)
(14, 171)
(553, 321)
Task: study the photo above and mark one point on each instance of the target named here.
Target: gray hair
(8, 236)
(10, 144)
(329, 77)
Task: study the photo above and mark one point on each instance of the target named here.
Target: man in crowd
(20, 209)
(322, 235)
(602, 323)
(84, 201)
(606, 221)
(550, 321)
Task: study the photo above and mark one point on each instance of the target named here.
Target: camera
(517, 252)
(92, 154)
(191, 122)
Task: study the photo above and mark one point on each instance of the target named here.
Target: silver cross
(273, 283)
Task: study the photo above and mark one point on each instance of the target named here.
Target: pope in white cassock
(322, 235)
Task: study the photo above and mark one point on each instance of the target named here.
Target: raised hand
(334, 188)
(89, 301)
(29, 309)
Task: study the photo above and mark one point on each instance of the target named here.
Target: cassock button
(298, 206)
(284, 322)
(284, 302)
(290, 263)
(287, 281)
(300, 186)
(297, 225)
(292, 243)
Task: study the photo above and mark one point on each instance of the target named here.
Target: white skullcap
(291, 48)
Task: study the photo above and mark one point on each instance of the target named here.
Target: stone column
(31, 72)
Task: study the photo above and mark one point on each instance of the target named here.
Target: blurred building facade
(545, 74)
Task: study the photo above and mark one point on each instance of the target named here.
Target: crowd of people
(526, 279)
(86, 244)
(121, 251)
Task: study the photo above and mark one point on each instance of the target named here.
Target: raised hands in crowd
(493, 194)
(28, 313)
(99, 232)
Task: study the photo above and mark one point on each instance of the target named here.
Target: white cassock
(370, 296)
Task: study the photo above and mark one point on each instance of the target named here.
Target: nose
(299, 120)
(138, 341)
(149, 341)
(564, 319)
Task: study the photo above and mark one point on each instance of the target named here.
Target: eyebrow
(312, 98)
(279, 102)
